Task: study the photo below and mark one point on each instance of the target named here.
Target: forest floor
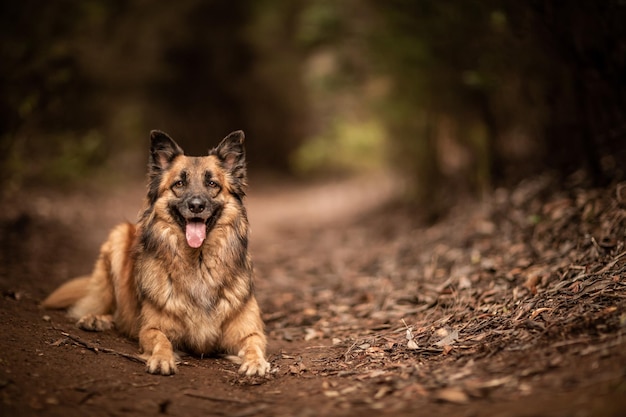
(510, 306)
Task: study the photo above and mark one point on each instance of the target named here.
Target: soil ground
(512, 306)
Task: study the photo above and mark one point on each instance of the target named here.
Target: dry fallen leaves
(535, 272)
(454, 395)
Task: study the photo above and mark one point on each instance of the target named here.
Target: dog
(180, 278)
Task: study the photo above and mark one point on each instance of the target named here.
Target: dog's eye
(212, 184)
(179, 184)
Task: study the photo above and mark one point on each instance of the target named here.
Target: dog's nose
(196, 205)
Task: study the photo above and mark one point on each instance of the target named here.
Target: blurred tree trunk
(546, 80)
(80, 79)
(232, 69)
(586, 42)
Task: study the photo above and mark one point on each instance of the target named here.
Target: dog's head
(194, 191)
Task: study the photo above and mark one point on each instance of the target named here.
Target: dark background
(457, 96)
(456, 99)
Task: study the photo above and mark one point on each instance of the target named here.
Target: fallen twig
(205, 396)
(80, 342)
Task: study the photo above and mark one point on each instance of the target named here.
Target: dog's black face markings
(211, 183)
(163, 151)
(195, 190)
(232, 156)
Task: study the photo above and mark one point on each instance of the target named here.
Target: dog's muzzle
(196, 211)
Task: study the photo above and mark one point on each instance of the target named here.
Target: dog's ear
(232, 154)
(162, 151)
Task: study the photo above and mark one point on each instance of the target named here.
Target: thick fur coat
(181, 278)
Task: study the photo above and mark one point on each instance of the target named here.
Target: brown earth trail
(515, 306)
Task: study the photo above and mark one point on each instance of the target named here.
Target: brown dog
(181, 278)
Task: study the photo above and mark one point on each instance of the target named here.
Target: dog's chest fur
(193, 291)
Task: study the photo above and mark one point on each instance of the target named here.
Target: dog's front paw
(257, 366)
(161, 364)
(95, 322)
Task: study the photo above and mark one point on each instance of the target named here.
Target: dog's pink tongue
(195, 232)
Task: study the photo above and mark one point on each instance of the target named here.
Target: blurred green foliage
(345, 148)
(460, 96)
(511, 88)
(83, 81)
(468, 95)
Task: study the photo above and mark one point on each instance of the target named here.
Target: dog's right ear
(162, 151)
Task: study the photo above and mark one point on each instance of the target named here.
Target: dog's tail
(68, 294)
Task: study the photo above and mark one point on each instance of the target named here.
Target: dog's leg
(94, 311)
(252, 354)
(96, 322)
(244, 335)
(157, 348)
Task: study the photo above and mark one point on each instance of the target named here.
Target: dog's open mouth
(195, 232)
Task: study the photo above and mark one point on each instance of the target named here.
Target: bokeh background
(457, 97)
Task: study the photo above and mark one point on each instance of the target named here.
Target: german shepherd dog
(181, 278)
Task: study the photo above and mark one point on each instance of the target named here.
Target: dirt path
(512, 307)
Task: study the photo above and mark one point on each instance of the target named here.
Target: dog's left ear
(232, 154)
